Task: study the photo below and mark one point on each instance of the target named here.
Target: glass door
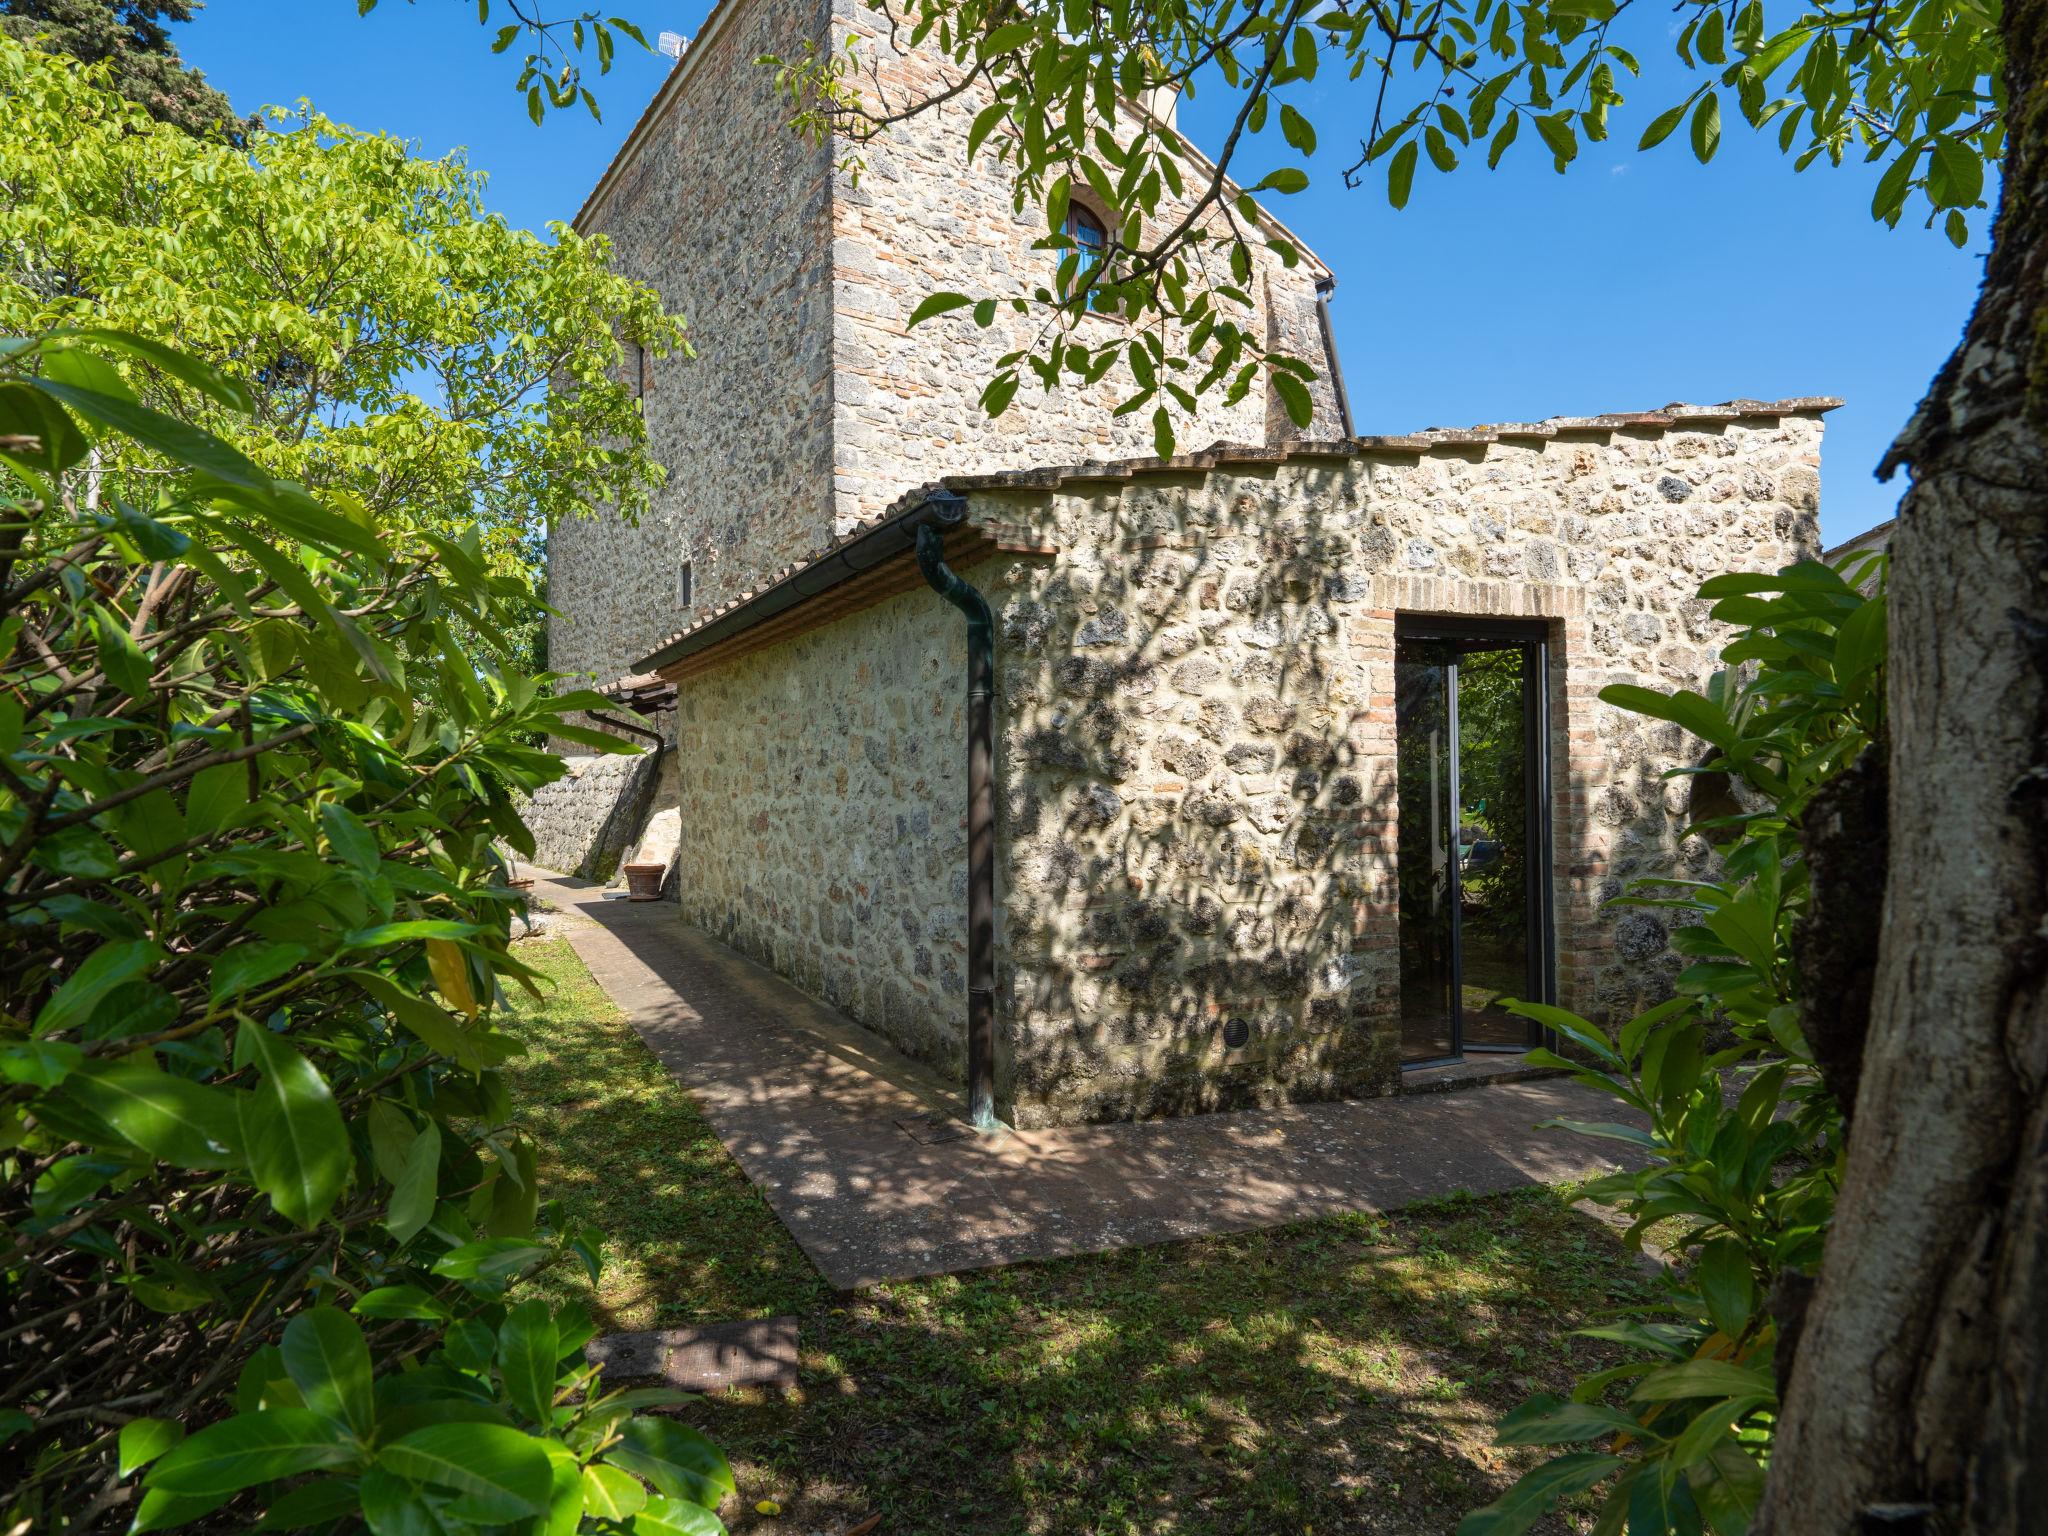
(1473, 836)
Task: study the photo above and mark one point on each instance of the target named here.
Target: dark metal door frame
(1533, 635)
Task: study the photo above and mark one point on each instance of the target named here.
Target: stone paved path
(814, 1109)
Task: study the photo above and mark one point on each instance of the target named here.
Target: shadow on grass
(1340, 1375)
(689, 1239)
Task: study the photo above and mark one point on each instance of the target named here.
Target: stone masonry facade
(1195, 748)
(809, 404)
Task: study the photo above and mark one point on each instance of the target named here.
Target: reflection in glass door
(1473, 835)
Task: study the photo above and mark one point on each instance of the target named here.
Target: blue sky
(1634, 280)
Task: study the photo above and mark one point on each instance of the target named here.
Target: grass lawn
(1340, 1375)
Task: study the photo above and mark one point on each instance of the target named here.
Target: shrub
(262, 1203)
(1744, 1145)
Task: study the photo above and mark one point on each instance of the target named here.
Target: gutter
(981, 825)
(1325, 286)
(885, 541)
(656, 737)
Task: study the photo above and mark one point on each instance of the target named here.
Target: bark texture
(1920, 1389)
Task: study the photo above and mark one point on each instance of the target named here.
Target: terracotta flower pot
(643, 881)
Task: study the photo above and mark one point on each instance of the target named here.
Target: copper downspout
(1325, 286)
(981, 824)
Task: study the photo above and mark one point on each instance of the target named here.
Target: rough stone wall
(808, 405)
(582, 822)
(1196, 705)
(727, 214)
(823, 804)
(922, 219)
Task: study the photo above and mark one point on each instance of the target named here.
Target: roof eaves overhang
(862, 551)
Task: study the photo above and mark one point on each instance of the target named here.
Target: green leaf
(501, 1474)
(1661, 126)
(434, 1027)
(1510, 126)
(412, 1195)
(176, 440)
(674, 1517)
(1538, 1491)
(172, 1118)
(120, 658)
(249, 1449)
(611, 1494)
(216, 796)
(202, 376)
(298, 1148)
(1297, 130)
(249, 966)
(26, 413)
(401, 1301)
(1162, 433)
(353, 843)
(1544, 1420)
(1557, 135)
(1726, 1284)
(1288, 179)
(527, 1351)
(675, 1458)
(1704, 1378)
(144, 1440)
(490, 1261)
(1706, 127)
(327, 1360)
(936, 304)
(1696, 713)
(1058, 199)
(110, 966)
(40, 1063)
(1860, 641)
(1294, 395)
(1401, 174)
(1955, 173)
(321, 1503)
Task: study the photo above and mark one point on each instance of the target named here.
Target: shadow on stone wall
(1198, 809)
(627, 819)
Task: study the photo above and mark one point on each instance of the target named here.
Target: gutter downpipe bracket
(950, 509)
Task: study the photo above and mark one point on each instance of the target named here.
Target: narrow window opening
(1091, 244)
(634, 368)
(685, 585)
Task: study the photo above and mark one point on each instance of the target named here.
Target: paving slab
(845, 1136)
(758, 1352)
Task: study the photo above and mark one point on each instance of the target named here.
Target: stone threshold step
(1473, 1072)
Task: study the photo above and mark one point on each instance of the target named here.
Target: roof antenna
(672, 44)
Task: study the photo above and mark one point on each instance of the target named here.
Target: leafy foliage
(402, 348)
(1061, 96)
(263, 1198)
(133, 38)
(1744, 1144)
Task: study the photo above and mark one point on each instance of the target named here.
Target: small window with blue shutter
(1091, 244)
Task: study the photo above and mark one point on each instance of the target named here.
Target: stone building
(1298, 771)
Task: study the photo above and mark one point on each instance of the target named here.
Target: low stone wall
(585, 822)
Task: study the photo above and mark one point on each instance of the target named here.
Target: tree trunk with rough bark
(1918, 1398)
